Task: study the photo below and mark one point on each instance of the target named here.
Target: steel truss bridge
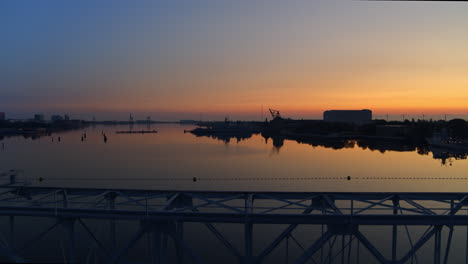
(335, 220)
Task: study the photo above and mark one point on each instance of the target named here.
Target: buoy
(194, 179)
(349, 178)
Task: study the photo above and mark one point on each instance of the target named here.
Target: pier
(162, 214)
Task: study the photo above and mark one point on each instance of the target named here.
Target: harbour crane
(275, 113)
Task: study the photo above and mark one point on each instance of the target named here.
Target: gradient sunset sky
(176, 59)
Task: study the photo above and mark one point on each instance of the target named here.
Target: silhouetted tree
(458, 128)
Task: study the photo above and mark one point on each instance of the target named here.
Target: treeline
(415, 130)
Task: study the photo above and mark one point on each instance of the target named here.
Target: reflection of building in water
(278, 141)
(383, 146)
(448, 155)
(226, 137)
(226, 130)
(336, 143)
(348, 116)
(423, 150)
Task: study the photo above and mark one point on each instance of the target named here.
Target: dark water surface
(171, 159)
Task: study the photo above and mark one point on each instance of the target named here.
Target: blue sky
(175, 59)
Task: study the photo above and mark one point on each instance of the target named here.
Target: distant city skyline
(175, 117)
(176, 59)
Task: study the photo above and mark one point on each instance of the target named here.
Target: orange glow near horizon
(229, 59)
(292, 96)
(297, 96)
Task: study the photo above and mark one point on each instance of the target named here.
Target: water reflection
(226, 136)
(446, 156)
(151, 160)
(27, 135)
(136, 161)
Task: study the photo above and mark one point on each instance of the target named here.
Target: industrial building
(39, 118)
(56, 118)
(2, 116)
(348, 116)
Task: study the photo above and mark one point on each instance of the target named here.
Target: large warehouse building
(348, 116)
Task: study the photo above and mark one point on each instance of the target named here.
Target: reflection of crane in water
(275, 113)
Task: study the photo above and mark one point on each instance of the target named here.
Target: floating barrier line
(195, 179)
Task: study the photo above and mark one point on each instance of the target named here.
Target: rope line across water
(195, 179)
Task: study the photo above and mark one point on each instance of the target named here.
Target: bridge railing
(163, 214)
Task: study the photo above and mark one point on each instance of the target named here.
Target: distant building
(39, 118)
(2, 116)
(146, 121)
(55, 118)
(67, 117)
(348, 116)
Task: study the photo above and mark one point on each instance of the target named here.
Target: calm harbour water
(171, 159)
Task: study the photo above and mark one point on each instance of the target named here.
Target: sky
(186, 59)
